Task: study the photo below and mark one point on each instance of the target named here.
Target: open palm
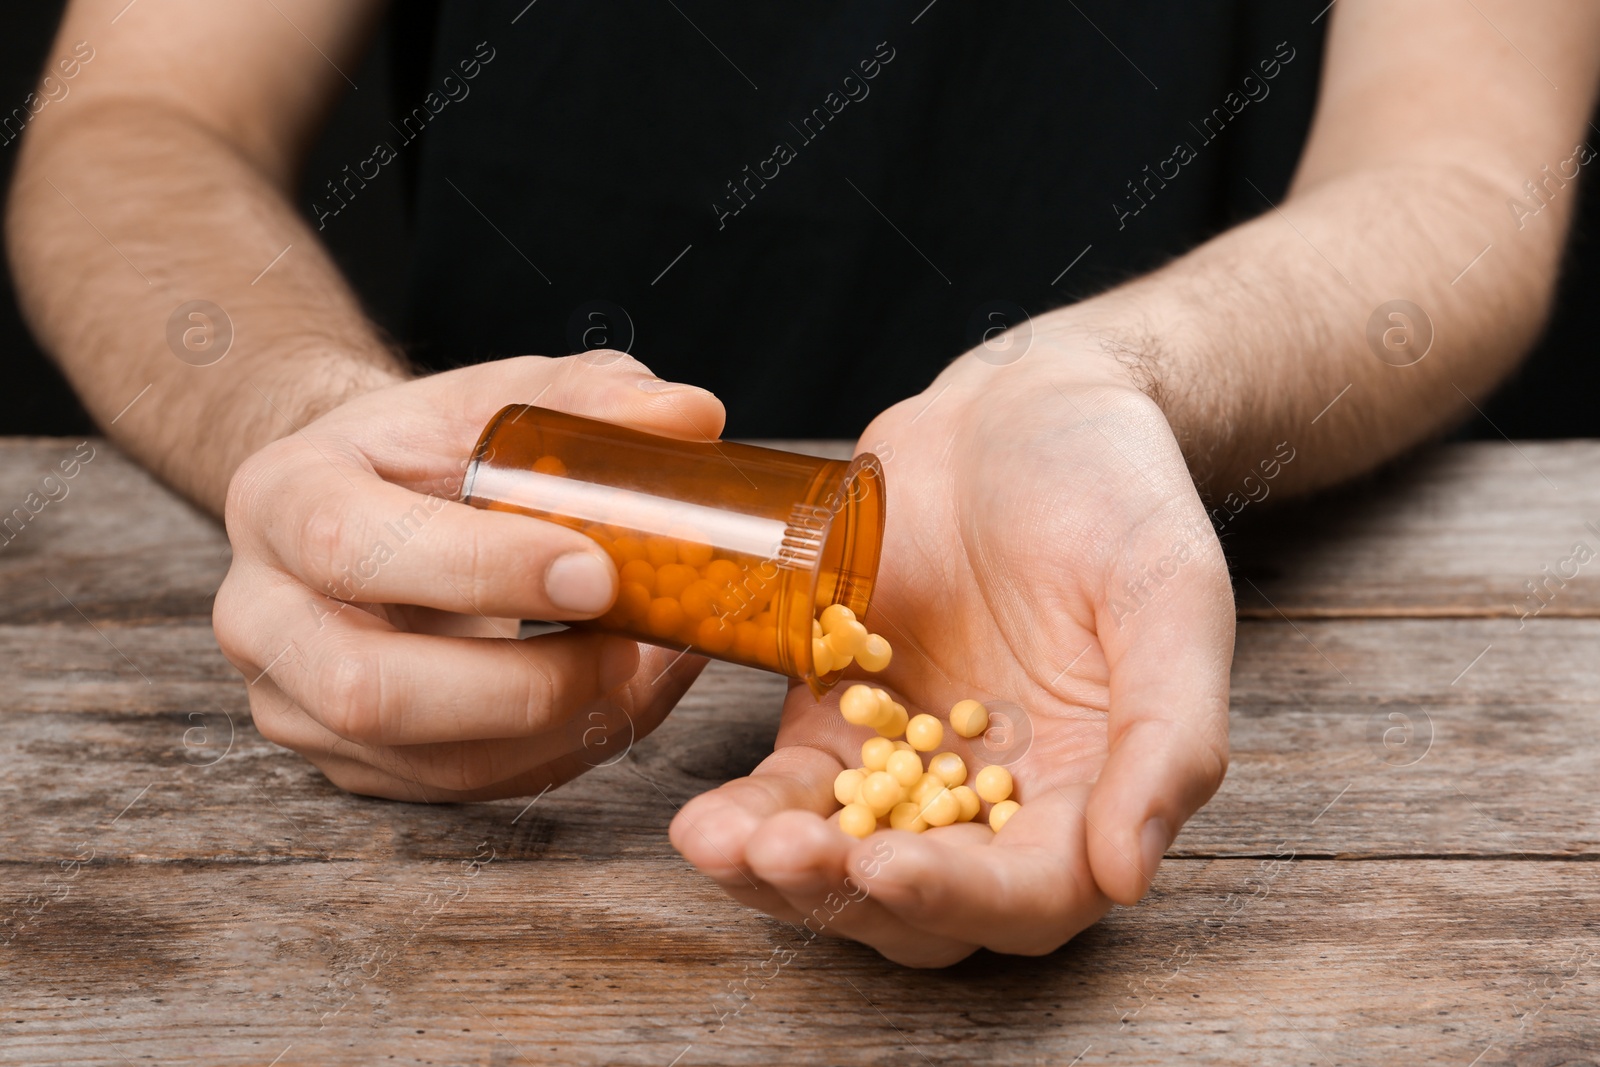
(1047, 554)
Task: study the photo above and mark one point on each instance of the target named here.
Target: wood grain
(638, 961)
(1457, 530)
(1394, 761)
(1398, 869)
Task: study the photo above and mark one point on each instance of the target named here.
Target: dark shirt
(812, 208)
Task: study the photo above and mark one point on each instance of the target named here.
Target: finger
(421, 433)
(367, 682)
(1025, 891)
(768, 841)
(332, 523)
(806, 858)
(1167, 728)
(488, 769)
(712, 830)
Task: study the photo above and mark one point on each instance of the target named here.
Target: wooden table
(1399, 868)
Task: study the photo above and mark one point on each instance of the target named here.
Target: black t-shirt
(812, 208)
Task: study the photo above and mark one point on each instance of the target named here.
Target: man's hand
(375, 617)
(1045, 549)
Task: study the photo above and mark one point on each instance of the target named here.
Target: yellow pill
(664, 616)
(968, 801)
(941, 809)
(721, 573)
(833, 615)
(699, 599)
(714, 636)
(927, 787)
(993, 784)
(746, 640)
(924, 732)
(693, 553)
(895, 726)
(660, 551)
(816, 630)
(902, 746)
(629, 548)
(906, 768)
(767, 646)
(859, 706)
(907, 816)
(874, 653)
(639, 571)
(880, 791)
(875, 753)
(846, 638)
(550, 465)
(674, 578)
(633, 600)
(847, 784)
(821, 657)
(857, 820)
(949, 768)
(969, 718)
(1001, 814)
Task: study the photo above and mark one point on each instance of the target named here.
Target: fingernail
(580, 582)
(1153, 842)
(619, 662)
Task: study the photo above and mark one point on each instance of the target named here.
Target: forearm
(122, 212)
(1438, 171)
(1261, 336)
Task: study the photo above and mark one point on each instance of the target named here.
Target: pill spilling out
(681, 590)
(838, 638)
(892, 788)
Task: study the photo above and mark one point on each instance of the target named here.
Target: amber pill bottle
(724, 549)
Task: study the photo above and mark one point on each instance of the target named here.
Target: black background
(1554, 395)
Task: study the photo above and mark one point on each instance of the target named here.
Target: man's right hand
(375, 617)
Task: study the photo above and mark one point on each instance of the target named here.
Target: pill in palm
(1001, 814)
(969, 718)
(874, 653)
(857, 820)
(927, 787)
(968, 800)
(881, 791)
(906, 767)
(924, 732)
(875, 753)
(941, 809)
(894, 727)
(859, 706)
(993, 784)
(949, 768)
(907, 816)
(846, 784)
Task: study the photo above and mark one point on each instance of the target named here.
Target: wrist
(1104, 342)
(280, 397)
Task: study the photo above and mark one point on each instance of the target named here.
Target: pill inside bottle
(724, 549)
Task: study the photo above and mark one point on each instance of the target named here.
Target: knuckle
(320, 539)
(227, 623)
(271, 722)
(538, 696)
(251, 484)
(346, 684)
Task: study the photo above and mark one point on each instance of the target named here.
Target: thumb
(1168, 721)
(614, 387)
